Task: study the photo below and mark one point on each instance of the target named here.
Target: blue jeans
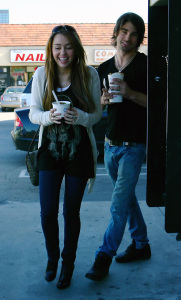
(123, 165)
(49, 187)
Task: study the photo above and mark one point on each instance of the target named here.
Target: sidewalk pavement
(23, 258)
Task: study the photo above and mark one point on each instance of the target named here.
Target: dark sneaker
(132, 253)
(100, 268)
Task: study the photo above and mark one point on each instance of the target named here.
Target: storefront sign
(103, 55)
(27, 56)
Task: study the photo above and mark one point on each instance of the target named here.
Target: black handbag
(31, 162)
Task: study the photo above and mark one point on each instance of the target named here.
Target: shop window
(18, 76)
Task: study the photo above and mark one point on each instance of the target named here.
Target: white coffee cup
(61, 107)
(116, 98)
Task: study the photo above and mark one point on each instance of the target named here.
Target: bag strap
(36, 133)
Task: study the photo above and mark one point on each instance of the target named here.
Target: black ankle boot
(51, 270)
(65, 276)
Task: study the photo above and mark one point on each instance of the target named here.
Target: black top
(127, 120)
(67, 147)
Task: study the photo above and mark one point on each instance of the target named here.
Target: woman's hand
(55, 117)
(71, 116)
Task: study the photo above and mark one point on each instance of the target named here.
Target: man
(125, 144)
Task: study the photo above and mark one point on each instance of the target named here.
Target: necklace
(125, 65)
(64, 83)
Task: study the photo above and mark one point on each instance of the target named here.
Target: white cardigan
(37, 114)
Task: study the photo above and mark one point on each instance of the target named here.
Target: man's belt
(120, 143)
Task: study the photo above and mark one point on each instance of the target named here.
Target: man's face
(127, 38)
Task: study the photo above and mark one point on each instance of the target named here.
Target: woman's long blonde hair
(80, 77)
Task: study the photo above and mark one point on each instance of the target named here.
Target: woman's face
(62, 51)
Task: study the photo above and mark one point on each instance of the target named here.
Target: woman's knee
(71, 213)
(49, 215)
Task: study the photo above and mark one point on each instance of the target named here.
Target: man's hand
(105, 97)
(124, 90)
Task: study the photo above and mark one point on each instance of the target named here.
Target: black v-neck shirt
(127, 120)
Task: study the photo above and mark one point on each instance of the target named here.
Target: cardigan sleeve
(37, 115)
(89, 119)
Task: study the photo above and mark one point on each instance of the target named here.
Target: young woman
(66, 142)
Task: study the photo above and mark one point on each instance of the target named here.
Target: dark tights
(49, 186)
